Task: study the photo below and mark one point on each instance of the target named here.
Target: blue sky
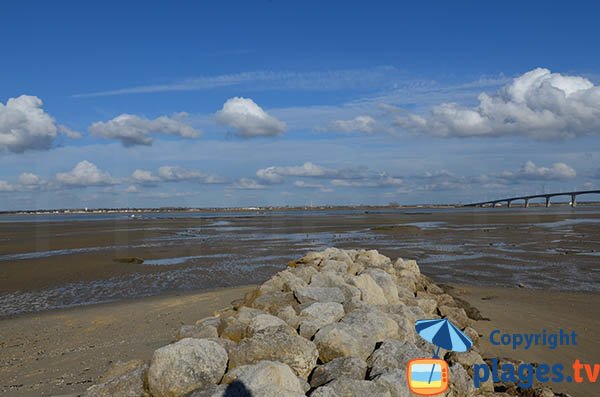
(275, 103)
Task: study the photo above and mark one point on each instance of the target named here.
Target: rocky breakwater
(334, 323)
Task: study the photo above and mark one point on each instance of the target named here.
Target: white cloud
(381, 180)
(179, 174)
(133, 130)
(275, 174)
(85, 174)
(365, 124)
(29, 179)
(305, 185)
(368, 78)
(538, 104)
(144, 177)
(24, 125)
(248, 184)
(7, 187)
(248, 119)
(558, 171)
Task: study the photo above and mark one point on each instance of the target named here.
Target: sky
(256, 103)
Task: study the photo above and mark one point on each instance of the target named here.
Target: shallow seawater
(238, 250)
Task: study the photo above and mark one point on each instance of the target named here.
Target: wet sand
(64, 351)
(516, 310)
(45, 265)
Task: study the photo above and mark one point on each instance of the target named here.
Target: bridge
(526, 199)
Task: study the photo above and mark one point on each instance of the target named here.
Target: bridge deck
(534, 196)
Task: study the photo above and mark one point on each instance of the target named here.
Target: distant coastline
(134, 210)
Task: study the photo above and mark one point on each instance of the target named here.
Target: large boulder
(319, 294)
(386, 282)
(277, 344)
(341, 367)
(370, 292)
(121, 379)
(182, 367)
(197, 331)
(393, 354)
(318, 315)
(342, 340)
(371, 322)
(265, 373)
(358, 388)
(262, 322)
(395, 382)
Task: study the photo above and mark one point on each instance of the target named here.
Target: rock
(197, 331)
(468, 360)
(121, 379)
(288, 314)
(212, 321)
(395, 382)
(265, 373)
(434, 289)
(393, 354)
(319, 294)
(341, 340)
(461, 385)
(284, 281)
(232, 328)
(428, 305)
(226, 344)
(370, 292)
(358, 388)
(333, 266)
(185, 366)
(304, 272)
(341, 367)
(277, 344)
(324, 391)
(372, 323)
(262, 322)
(455, 314)
(274, 301)
(408, 265)
(372, 258)
(318, 315)
(386, 283)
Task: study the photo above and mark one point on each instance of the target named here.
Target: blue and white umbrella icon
(443, 334)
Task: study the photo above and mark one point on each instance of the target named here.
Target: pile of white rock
(334, 323)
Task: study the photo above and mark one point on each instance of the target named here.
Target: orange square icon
(427, 376)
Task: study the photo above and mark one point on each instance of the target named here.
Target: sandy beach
(63, 352)
(68, 309)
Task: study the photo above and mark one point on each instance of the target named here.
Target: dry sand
(63, 351)
(524, 310)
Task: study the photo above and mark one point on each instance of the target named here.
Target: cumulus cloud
(133, 130)
(179, 174)
(248, 119)
(538, 104)
(365, 124)
(248, 184)
(85, 174)
(557, 171)
(276, 174)
(24, 125)
(144, 177)
(7, 187)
